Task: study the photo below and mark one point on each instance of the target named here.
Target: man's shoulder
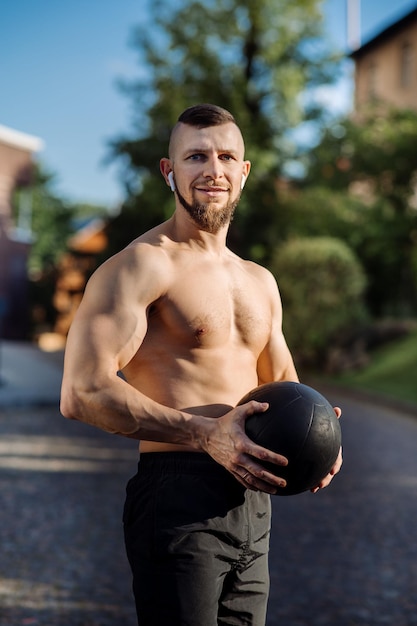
(153, 238)
(256, 270)
(144, 259)
(144, 251)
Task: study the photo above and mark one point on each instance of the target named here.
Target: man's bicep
(109, 326)
(276, 362)
(110, 338)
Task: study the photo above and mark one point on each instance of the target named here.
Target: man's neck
(183, 228)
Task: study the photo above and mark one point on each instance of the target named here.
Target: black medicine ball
(301, 425)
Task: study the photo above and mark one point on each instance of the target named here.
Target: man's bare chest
(209, 309)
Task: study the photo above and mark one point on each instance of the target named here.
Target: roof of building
(90, 239)
(385, 34)
(17, 139)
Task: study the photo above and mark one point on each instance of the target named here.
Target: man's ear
(165, 167)
(246, 170)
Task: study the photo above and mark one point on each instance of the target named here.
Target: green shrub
(322, 285)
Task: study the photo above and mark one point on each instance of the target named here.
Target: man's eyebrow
(205, 150)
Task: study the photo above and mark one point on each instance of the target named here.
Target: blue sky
(59, 64)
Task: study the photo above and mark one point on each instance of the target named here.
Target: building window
(406, 67)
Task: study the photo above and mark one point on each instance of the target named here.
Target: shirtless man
(193, 328)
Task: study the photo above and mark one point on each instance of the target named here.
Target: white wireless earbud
(171, 181)
(242, 184)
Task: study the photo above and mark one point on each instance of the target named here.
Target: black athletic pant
(197, 543)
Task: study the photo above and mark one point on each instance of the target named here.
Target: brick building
(386, 66)
(16, 166)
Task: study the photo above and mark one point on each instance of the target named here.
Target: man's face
(208, 164)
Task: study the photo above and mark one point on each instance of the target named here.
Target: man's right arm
(107, 331)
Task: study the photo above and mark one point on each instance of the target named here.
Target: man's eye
(226, 157)
(195, 157)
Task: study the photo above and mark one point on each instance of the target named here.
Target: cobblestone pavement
(344, 557)
(61, 497)
(347, 556)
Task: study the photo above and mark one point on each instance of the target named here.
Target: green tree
(50, 219)
(374, 158)
(322, 283)
(255, 58)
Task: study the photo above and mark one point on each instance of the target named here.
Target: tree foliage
(50, 221)
(53, 220)
(322, 284)
(373, 160)
(255, 58)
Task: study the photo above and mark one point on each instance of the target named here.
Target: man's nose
(213, 169)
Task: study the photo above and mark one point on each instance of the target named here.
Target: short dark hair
(204, 115)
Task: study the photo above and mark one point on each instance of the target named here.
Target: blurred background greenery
(330, 206)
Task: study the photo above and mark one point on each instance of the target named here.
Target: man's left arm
(276, 363)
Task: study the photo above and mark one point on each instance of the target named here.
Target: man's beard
(208, 216)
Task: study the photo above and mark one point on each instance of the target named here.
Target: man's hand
(227, 443)
(336, 467)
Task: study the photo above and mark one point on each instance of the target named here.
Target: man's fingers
(259, 480)
(253, 407)
(335, 469)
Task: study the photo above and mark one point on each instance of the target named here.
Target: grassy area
(391, 372)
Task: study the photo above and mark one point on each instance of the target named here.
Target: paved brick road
(348, 556)
(61, 497)
(344, 557)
